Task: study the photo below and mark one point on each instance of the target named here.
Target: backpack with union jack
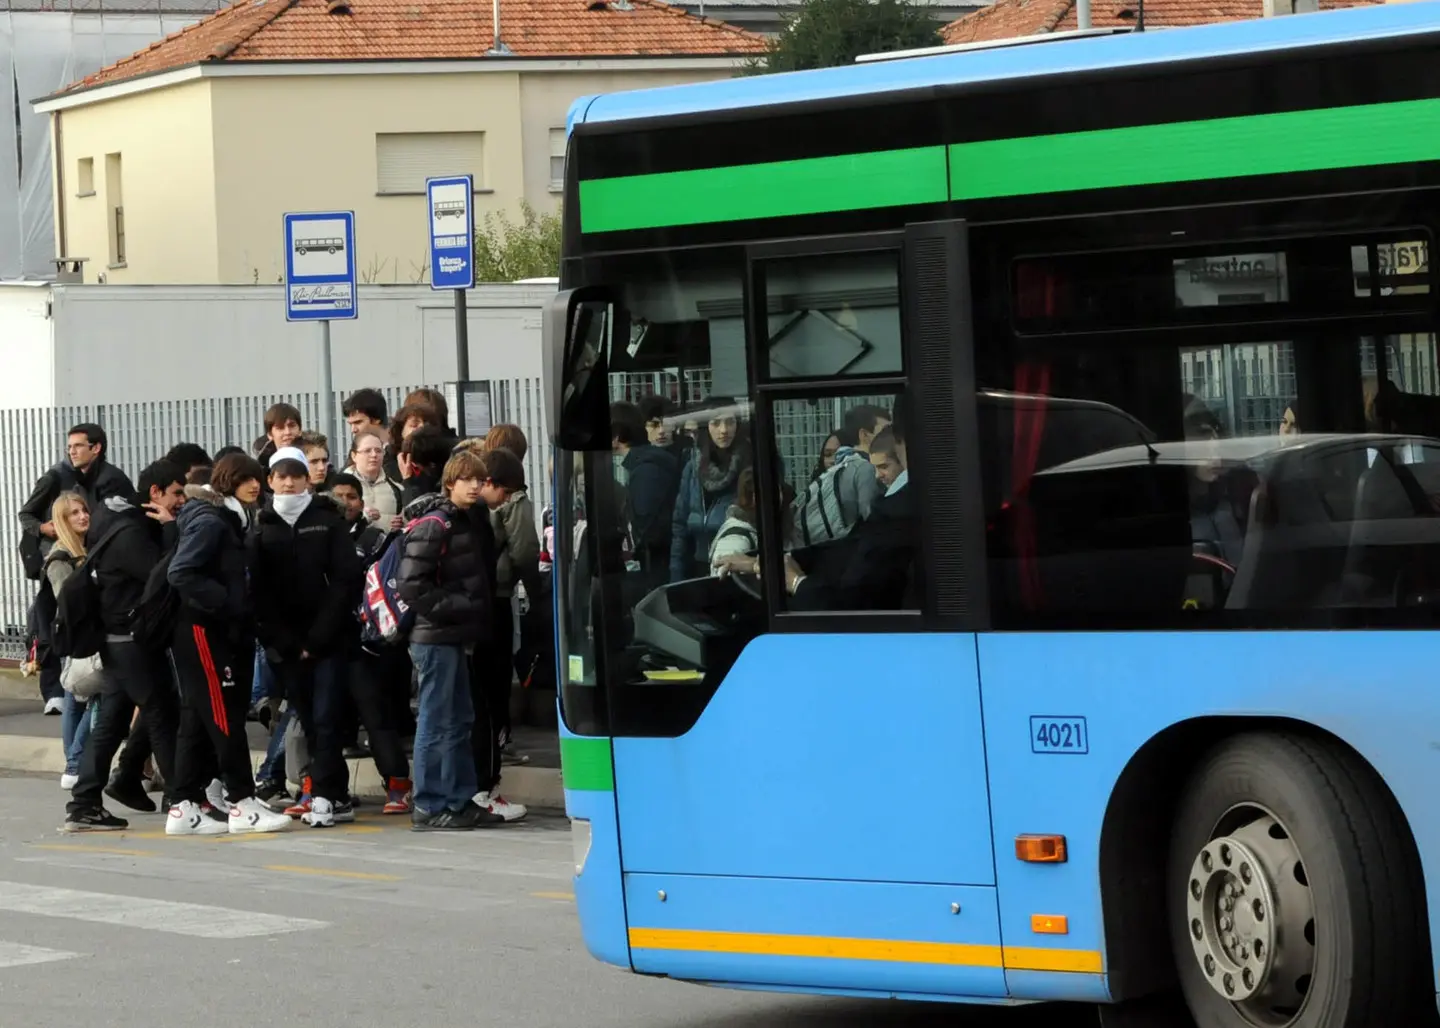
(386, 619)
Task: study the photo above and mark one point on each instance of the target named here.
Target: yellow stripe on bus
(899, 951)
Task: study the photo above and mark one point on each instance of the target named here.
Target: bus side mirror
(579, 328)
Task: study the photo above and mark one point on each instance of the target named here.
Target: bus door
(788, 662)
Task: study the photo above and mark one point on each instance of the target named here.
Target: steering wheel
(1223, 570)
(748, 584)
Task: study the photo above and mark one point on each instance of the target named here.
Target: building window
(115, 204)
(85, 176)
(404, 160)
(557, 160)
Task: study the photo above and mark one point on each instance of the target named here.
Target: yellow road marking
(895, 950)
(553, 895)
(80, 847)
(326, 872)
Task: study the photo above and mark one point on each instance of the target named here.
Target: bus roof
(1131, 50)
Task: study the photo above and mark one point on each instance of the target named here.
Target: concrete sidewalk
(30, 741)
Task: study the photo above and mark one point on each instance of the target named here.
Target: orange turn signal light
(1049, 924)
(1040, 849)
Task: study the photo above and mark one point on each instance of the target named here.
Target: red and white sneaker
(187, 818)
(302, 806)
(500, 806)
(398, 797)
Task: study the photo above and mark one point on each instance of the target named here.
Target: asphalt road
(356, 926)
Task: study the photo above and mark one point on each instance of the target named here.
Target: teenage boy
(492, 667)
(367, 409)
(144, 528)
(350, 495)
(282, 428)
(305, 576)
(447, 576)
(317, 455)
(212, 652)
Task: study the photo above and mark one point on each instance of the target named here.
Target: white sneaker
(499, 805)
(55, 706)
(321, 813)
(189, 818)
(69, 781)
(250, 816)
(215, 794)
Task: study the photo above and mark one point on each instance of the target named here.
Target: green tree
(507, 250)
(826, 33)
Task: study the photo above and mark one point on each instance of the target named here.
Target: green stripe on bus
(585, 764)
(814, 185)
(1263, 144)
(1192, 151)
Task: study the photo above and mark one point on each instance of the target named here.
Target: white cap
(288, 453)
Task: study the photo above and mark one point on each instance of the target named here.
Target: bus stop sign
(452, 233)
(320, 266)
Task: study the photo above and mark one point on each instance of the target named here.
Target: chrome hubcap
(1251, 919)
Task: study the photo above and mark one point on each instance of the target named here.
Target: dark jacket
(367, 538)
(871, 568)
(210, 569)
(305, 581)
(426, 483)
(447, 574)
(653, 479)
(697, 519)
(124, 565)
(99, 482)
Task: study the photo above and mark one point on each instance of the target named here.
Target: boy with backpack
(304, 577)
(842, 496)
(119, 567)
(446, 582)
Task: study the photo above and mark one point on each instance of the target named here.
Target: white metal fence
(33, 439)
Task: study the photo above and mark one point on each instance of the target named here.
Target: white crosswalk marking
(192, 919)
(12, 954)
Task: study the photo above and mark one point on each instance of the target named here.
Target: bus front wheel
(1295, 894)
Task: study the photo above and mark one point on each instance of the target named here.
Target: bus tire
(1296, 899)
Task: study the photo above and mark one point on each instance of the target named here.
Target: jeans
(272, 768)
(444, 767)
(264, 684)
(76, 721)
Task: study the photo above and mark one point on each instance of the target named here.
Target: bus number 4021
(1058, 735)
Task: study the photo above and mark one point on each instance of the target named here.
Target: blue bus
(1116, 685)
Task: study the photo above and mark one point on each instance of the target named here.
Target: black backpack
(79, 628)
(152, 622)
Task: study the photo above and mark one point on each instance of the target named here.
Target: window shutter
(404, 160)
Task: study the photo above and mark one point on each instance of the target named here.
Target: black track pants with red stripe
(214, 675)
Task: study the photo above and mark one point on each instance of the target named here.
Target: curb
(537, 787)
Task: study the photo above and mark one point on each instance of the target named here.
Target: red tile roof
(1006, 19)
(407, 30)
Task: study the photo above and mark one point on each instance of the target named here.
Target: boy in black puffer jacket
(213, 651)
(447, 575)
(305, 575)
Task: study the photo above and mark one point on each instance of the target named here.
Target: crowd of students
(207, 594)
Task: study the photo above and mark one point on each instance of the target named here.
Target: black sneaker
(420, 821)
(475, 816)
(344, 811)
(96, 820)
(275, 794)
(130, 794)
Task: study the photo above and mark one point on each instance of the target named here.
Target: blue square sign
(452, 231)
(320, 266)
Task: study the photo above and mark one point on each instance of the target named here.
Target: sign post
(452, 265)
(320, 284)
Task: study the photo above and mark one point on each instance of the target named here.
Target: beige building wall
(545, 99)
(149, 154)
(308, 142)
